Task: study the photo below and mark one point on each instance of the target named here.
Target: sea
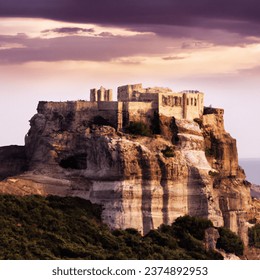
(252, 169)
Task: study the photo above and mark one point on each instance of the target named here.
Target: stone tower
(101, 94)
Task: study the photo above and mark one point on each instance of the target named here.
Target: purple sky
(59, 49)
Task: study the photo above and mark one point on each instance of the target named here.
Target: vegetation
(138, 128)
(168, 152)
(209, 152)
(35, 227)
(254, 236)
(213, 173)
(230, 242)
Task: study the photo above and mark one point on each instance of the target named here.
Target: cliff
(190, 167)
(13, 161)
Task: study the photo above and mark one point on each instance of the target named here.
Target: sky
(59, 49)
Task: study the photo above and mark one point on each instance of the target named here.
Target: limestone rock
(211, 238)
(142, 182)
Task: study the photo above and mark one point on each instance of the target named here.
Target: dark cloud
(233, 15)
(192, 24)
(176, 57)
(106, 34)
(69, 30)
(95, 48)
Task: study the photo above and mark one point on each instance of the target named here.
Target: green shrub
(168, 152)
(35, 227)
(213, 173)
(230, 242)
(193, 225)
(208, 152)
(192, 244)
(254, 236)
(138, 128)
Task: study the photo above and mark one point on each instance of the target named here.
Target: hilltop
(148, 158)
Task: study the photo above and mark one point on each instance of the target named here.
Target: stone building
(134, 104)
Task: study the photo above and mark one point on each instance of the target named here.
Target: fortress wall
(145, 97)
(141, 111)
(82, 110)
(45, 106)
(48, 106)
(108, 105)
(194, 105)
(109, 111)
(83, 105)
(171, 105)
(124, 93)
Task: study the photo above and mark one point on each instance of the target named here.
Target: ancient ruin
(135, 103)
(188, 165)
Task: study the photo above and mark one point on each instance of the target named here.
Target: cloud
(195, 45)
(129, 61)
(85, 48)
(238, 16)
(174, 57)
(70, 30)
(105, 34)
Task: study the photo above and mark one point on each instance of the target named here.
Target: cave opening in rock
(78, 161)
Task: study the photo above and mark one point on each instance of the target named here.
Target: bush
(254, 236)
(193, 225)
(35, 227)
(213, 173)
(230, 242)
(138, 128)
(209, 152)
(168, 152)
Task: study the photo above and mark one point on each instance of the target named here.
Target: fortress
(134, 104)
(83, 148)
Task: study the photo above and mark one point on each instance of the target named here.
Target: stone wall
(109, 112)
(105, 113)
(194, 105)
(135, 104)
(171, 105)
(181, 105)
(139, 112)
(124, 93)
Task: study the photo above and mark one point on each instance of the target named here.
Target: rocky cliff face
(13, 161)
(142, 182)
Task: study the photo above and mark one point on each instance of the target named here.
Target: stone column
(184, 106)
(93, 95)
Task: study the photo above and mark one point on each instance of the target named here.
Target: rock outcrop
(191, 167)
(13, 161)
(255, 191)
